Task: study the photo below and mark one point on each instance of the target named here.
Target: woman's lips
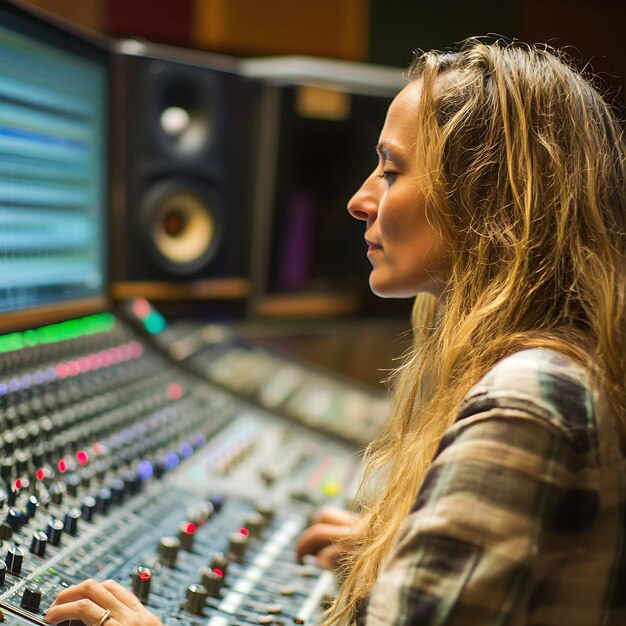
(372, 247)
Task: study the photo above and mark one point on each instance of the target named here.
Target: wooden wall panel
(325, 28)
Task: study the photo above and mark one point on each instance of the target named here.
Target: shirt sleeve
(499, 490)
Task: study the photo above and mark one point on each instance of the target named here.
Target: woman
(496, 493)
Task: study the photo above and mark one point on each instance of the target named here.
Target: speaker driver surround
(182, 224)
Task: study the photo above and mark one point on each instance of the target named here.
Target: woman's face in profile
(403, 248)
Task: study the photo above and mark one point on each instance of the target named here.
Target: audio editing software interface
(116, 461)
(53, 132)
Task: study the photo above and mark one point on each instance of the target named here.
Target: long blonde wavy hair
(526, 183)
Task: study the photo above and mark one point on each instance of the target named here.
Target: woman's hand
(89, 600)
(328, 536)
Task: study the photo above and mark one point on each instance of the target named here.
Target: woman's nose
(364, 203)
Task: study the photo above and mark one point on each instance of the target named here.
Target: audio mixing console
(299, 391)
(116, 463)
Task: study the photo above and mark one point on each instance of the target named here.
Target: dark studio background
(382, 32)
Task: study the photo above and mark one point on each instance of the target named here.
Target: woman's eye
(389, 176)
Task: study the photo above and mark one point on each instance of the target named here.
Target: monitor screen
(53, 164)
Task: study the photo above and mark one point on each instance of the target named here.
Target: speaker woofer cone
(182, 223)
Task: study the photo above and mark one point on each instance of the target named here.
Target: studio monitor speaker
(183, 150)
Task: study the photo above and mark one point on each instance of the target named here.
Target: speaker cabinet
(320, 123)
(183, 150)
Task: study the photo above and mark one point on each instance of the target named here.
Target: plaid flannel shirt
(521, 518)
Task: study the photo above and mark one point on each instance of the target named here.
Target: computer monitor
(54, 111)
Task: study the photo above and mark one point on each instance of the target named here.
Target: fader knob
(3, 572)
(54, 531)
(141, 583)
(38, 543)
(237, 543)
(186, 534)
(168, 551)
(196, 599)
(14, 560)
(212, 581)
(31, 598)
(70, 522)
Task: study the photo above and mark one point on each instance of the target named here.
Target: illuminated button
(14, 560)
(331, 489)
(196, 599)
(168, 551)
(38, 543)
(142, 578)
(212, 581)
(186, 534)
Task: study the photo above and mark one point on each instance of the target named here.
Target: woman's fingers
(84, 610)
(122, 594)
(318, 536)
(334, 515)
(88, 601)
(89, 589)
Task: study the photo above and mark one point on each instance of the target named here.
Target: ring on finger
(103, 618)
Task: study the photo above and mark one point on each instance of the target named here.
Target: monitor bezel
(102, 49)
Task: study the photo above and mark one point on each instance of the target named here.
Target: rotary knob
(220, 562)
(212, 581)
(31, 506)
(70, 522)
(57, 491)
(265, 510)
(31, 599)
(3, 572)
(237, 544)
(88, 508)
(168, 551)
(38, 543)
(186, 534)
(196, 599)
(14, 519)
(54, 531)
(14, 560)
(255, 523)
(118, 491)
(103, 500)
(141, 583)
(72, 483)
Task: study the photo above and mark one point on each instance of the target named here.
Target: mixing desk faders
(118, 464)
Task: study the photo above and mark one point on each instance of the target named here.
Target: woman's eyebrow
(389, 152)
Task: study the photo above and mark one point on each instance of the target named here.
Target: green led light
(71, 329)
